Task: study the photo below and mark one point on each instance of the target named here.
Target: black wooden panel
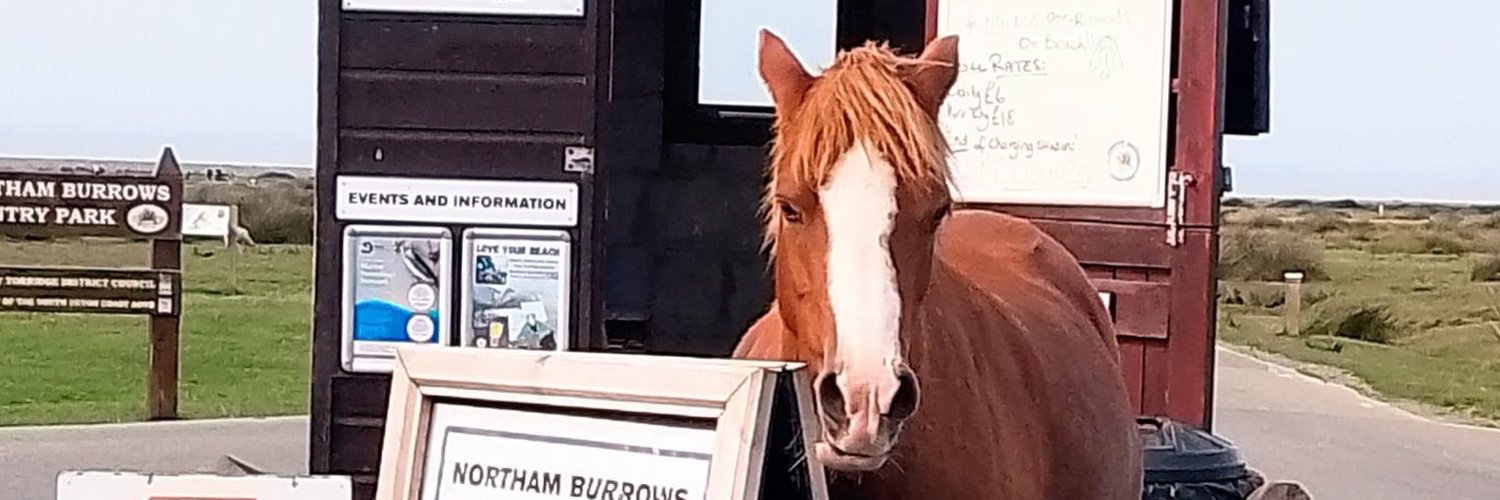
(360, 395)
(326, 338)
(356, 448)
(1247, 61)
(466, 47)
(463, 154)
(364, 486)
(467, 102)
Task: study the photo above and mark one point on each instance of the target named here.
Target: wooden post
(161, 386)
(1293, 303)
(232, 243)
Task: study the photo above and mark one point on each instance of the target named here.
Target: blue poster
(397, 282)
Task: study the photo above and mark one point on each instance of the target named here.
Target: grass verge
(245, 352)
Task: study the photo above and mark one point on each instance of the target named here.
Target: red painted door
(1103, 125)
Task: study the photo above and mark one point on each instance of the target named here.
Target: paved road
(1341, 445)
(31, 457)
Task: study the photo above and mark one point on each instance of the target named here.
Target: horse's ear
(783, 73)
(934, 72)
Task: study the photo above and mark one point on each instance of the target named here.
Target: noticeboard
(516, 288)
(1059, 102)
(397, 287)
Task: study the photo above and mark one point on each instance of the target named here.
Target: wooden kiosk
(601, 141)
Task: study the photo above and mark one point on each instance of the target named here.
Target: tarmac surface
(1340, 444)
(1337, 443)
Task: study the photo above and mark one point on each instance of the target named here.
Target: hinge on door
(1177, 183)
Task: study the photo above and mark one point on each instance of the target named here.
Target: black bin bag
(1186, 463)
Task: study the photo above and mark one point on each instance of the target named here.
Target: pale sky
(1371, 99)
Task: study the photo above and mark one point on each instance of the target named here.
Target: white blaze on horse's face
(859, 207)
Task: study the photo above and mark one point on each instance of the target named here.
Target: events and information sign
(480, 453)
(396, 291)
(516, 289)
(1059, 102)
(457, 201)
(560, 8)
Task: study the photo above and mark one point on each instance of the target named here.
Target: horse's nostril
(908, 395)
(830, 397)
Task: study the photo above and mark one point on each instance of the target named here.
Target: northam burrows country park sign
(46, 205)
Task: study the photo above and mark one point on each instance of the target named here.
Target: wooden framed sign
(470, 424)
(1059, 102)
(109, 485)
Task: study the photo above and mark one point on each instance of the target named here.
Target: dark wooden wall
(442, 96)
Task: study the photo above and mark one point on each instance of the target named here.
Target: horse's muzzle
(860, 426)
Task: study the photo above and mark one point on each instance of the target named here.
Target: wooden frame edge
(741, 413)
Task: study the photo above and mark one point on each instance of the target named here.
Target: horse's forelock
(860, 97)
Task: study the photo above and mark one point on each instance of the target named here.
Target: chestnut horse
(879, 288)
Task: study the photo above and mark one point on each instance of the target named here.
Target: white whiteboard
(1059, 102)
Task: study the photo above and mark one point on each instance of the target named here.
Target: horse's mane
(860, 97)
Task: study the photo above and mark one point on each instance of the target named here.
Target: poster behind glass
(397, 288)
(729, 45)
(516, 289)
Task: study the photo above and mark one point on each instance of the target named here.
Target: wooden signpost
(511, 424)
(47, 205)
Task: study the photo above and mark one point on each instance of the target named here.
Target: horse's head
(859, 185)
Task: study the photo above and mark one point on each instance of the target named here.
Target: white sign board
(457, 201)
(89, 485)
(205, 220)
(481, 453)
(1059, 102)
(517, 285)
(562, 8)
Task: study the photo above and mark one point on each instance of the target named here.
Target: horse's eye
(790, 213)
(941, 213)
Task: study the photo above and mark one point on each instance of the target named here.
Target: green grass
(1446, 351)
(245, 352)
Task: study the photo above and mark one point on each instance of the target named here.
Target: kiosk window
(728, 39)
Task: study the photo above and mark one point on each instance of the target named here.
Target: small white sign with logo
(101, 485)
(457, 201)
(205, 220)
(481, 453)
